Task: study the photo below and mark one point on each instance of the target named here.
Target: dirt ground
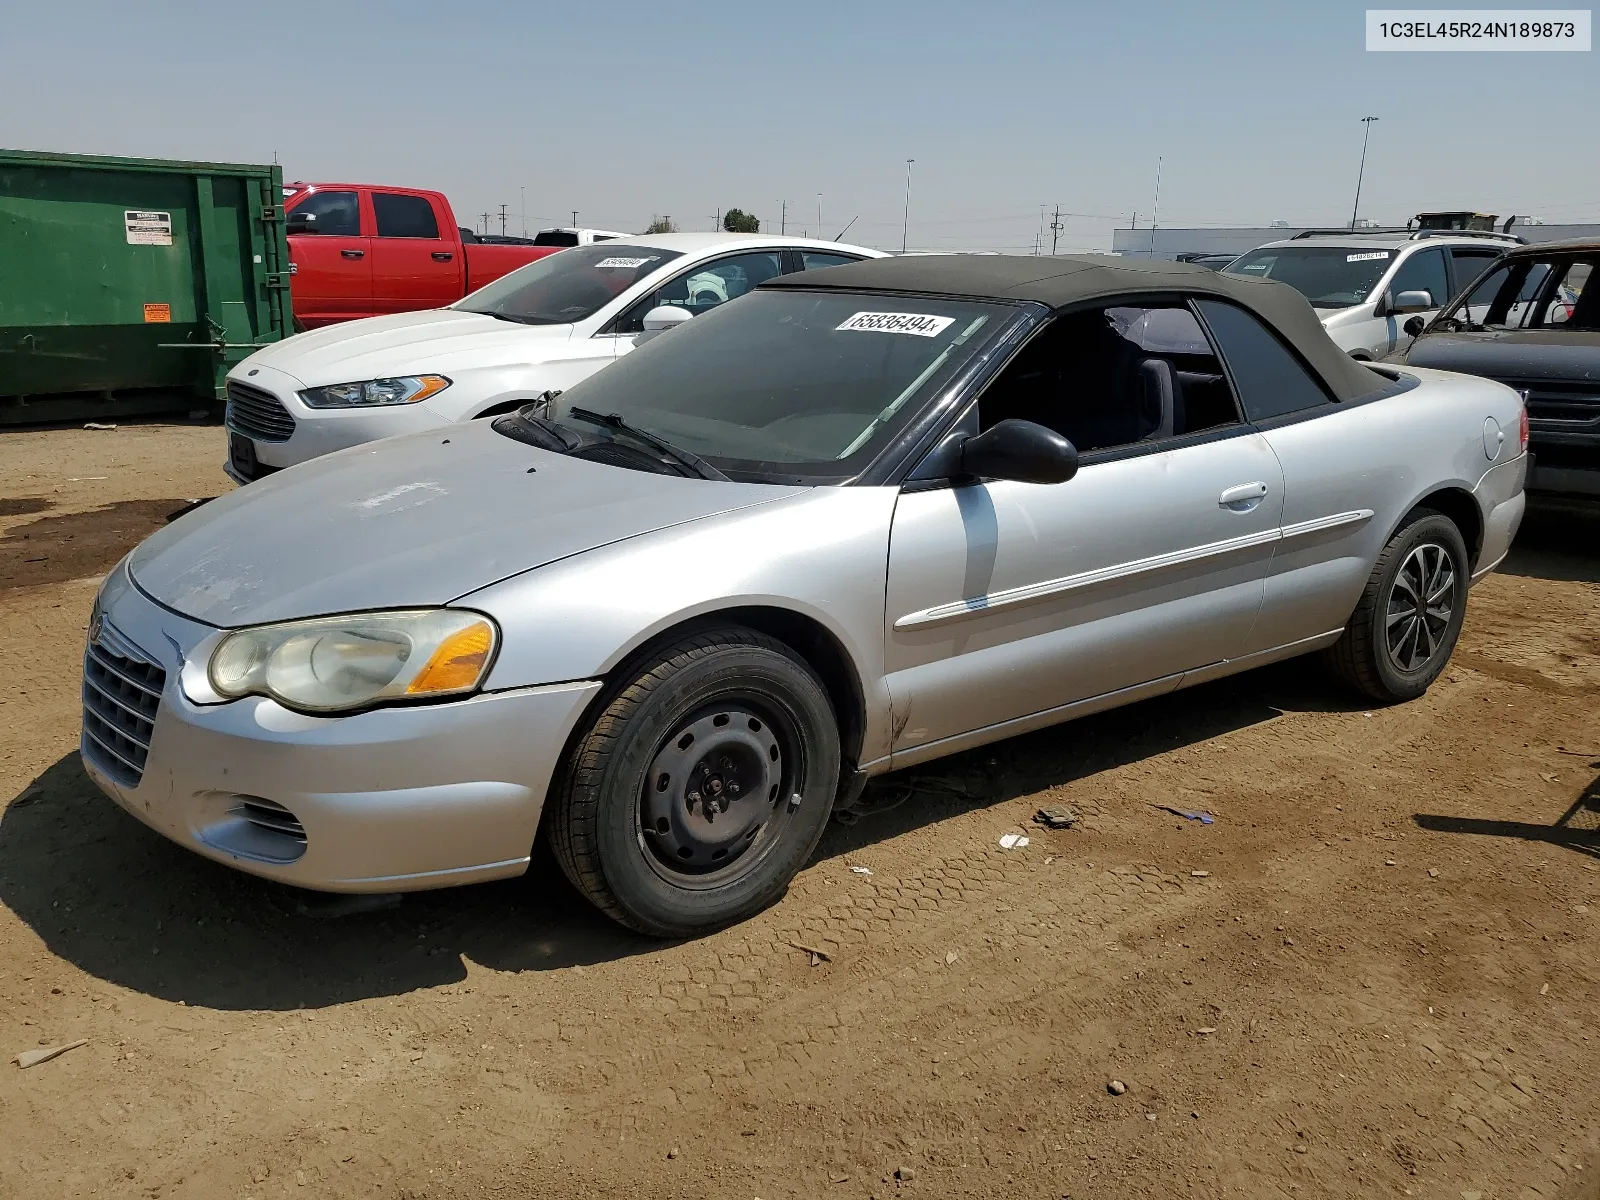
(1373, 975)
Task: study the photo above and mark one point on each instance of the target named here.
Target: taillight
(1522, 430)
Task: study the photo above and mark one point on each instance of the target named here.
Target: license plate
(242, 454)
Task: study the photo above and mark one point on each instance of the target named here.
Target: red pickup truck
(362, 251)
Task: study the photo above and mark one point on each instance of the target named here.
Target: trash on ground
(1206, 1029)
(817, 956)
(904, 1174)
(1056, 817)
(1116, 1087)
(1012, 841)
(1199, 874)
(951, 956)
(32, 1058)
(98, 425)
(1204, 818)
(861, 870)
(1545, 990)
(1547, 776)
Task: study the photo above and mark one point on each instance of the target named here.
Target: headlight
(370, 393)
(334, 664)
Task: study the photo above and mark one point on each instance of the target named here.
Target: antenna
(838, 236)
(1155, 218)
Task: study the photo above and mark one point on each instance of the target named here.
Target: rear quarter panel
(1381, 458)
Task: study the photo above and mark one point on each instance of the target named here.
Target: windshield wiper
(535, 430)
(660, 445)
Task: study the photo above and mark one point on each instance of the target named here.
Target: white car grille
(120, 697)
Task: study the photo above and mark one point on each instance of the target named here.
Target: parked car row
(818, 525)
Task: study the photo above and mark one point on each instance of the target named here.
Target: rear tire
(702, 786)
(1406, 623)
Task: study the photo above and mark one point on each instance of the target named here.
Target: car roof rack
(1316, 233)
(1412, 235)
(1493, 235)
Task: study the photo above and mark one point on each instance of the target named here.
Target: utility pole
(1366, 127)
(524, 190)
(1038, 238)
(503, 208)
(718, 221)
(783, 219)
(485, 222)
(906, 221)
(574, 218)
(1155, 218)
(819, 214)
(1055, 230)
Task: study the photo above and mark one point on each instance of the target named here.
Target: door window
(332, 214)
(1270, 379)
(404, 216)
(706, 285)
(1469, 264)
(1109, 377)
(1422, 272)
(815, 260)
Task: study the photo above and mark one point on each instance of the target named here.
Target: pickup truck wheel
(1406, 624)
(702, 786)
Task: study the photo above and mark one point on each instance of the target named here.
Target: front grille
(258, 414)
(120, 699)
(270, 816)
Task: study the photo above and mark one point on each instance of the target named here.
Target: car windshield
(1529, 292)
(791, 384)
(569, 285)
(1328, 276)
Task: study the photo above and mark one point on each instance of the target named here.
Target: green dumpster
(133, 285)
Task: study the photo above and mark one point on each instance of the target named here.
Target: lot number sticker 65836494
(916, 324)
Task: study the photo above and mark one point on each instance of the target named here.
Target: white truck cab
(1366, 284)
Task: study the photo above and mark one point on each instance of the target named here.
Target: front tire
(701, 788)
(1406, 624)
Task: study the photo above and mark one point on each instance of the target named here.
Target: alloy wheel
(1422, 601)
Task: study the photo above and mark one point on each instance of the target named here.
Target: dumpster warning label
(157, 314)
(147, 228)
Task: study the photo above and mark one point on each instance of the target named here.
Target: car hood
(437, 340)
(408, 522)
(1542, 354)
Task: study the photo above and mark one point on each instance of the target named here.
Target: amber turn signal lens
(458, 663)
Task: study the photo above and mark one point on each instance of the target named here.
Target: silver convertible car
(676, 615)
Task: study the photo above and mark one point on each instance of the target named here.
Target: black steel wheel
(701, 787)
(1406, 623)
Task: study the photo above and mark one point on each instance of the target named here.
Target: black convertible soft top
(1070, 280)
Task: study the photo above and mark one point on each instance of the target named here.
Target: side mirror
(1411, 302)
(1022, 451)
(1413, 326)
(665, 316)
(300, 222)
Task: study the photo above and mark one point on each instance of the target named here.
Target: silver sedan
(675, 616)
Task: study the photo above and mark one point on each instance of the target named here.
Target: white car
(539, 329)
(1365, 285)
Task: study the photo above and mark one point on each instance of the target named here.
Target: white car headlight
(371, 393)
(334, 664)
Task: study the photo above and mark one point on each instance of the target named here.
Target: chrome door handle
(1243, 497)
(353, 253)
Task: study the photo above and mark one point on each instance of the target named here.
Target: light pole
(1366, 132)
(819, 214)
(906, 224)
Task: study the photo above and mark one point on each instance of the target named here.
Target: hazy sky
(625, 110)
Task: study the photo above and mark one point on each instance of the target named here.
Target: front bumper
(395, 799)
(319, 431)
